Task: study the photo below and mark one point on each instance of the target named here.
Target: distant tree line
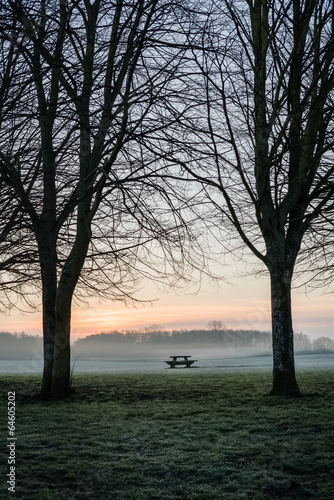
(102, 343)
(23, 346)
(20, 346)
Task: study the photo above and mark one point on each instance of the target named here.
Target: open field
(175, 435)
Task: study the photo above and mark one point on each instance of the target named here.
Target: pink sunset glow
(246, 306)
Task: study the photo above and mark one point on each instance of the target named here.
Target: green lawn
(176, 435)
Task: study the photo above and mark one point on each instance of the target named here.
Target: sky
(243, 304)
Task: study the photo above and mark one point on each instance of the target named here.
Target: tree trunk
(48, 264)
(61, 376)
(284, 378)
(48, 339)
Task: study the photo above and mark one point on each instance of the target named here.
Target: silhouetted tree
(88, 83)
(255, 131)
(216, 325)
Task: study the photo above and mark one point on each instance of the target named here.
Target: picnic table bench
(184, 361)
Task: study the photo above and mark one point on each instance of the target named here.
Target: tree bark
(47, 244)
(61, 374)
(49, 286)
(284, 378)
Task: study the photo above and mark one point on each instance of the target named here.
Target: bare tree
(216, 325)
(90, 89)
(256, 128)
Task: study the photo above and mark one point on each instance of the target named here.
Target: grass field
(176, 435)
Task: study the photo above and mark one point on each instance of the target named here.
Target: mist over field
(137, 351)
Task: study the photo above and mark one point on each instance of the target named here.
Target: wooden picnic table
(183, 361)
